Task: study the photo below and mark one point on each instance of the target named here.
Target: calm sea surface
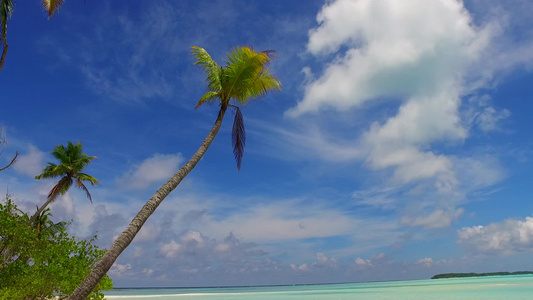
(497, 287)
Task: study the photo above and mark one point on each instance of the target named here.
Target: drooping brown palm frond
(238, 137)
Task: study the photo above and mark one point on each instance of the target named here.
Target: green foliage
(244, 77)
(34, 265)
(72, 161)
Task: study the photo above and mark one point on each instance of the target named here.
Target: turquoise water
(497, 287)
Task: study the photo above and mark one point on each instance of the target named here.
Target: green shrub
(39, 262)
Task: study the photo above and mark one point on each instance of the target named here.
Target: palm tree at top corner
(6, 10)
(244, 77)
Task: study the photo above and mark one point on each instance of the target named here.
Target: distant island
(459, 275)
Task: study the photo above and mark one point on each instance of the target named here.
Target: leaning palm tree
(245, 76)
(72, 161)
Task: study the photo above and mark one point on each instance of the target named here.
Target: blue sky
(399, 148)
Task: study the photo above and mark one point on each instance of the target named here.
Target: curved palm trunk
(125, 238)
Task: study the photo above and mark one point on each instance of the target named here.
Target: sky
(399, 148)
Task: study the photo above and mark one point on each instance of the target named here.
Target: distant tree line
(459, 275)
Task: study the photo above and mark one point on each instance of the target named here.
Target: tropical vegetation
(42, 261)
(244, 77)
(462, 275)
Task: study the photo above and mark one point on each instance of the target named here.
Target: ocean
(473, 288)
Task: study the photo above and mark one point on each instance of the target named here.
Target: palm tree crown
(72, 161)
(246, 76)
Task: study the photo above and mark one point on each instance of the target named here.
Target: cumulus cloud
(389, 54)
(119, 269)
(427, 262)
(362, 262)
(503, 238)
(31, 163)
(170, 249)
(376, 259)
(154, 169)
(322, 262)
(377, 52)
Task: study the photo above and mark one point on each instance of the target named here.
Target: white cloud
(30, 164)
(302, 267)
(502, 238)
(148, 271)
(489, 118)
(310, 142)
(478, 172)
(193, 236)
(376, 259)
(154, 169)
(362, 262)
(278, 222)
(170, 249)
(426, 262)
(389, 53)
(480, 113)
(118, 269)
(437, 219)
(376, 198)
(322, 262)
(149, 232)
(377, 52)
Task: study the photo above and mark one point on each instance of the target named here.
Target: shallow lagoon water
(474, 288)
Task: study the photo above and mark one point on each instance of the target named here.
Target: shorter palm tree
(72, 161)
(45, 227)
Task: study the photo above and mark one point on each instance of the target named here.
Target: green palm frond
(245, 76)
(213, 71)
(208, 97)
(263, 84)
(89, 178)
(52, 6)
(52, 170)
(244, 67)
